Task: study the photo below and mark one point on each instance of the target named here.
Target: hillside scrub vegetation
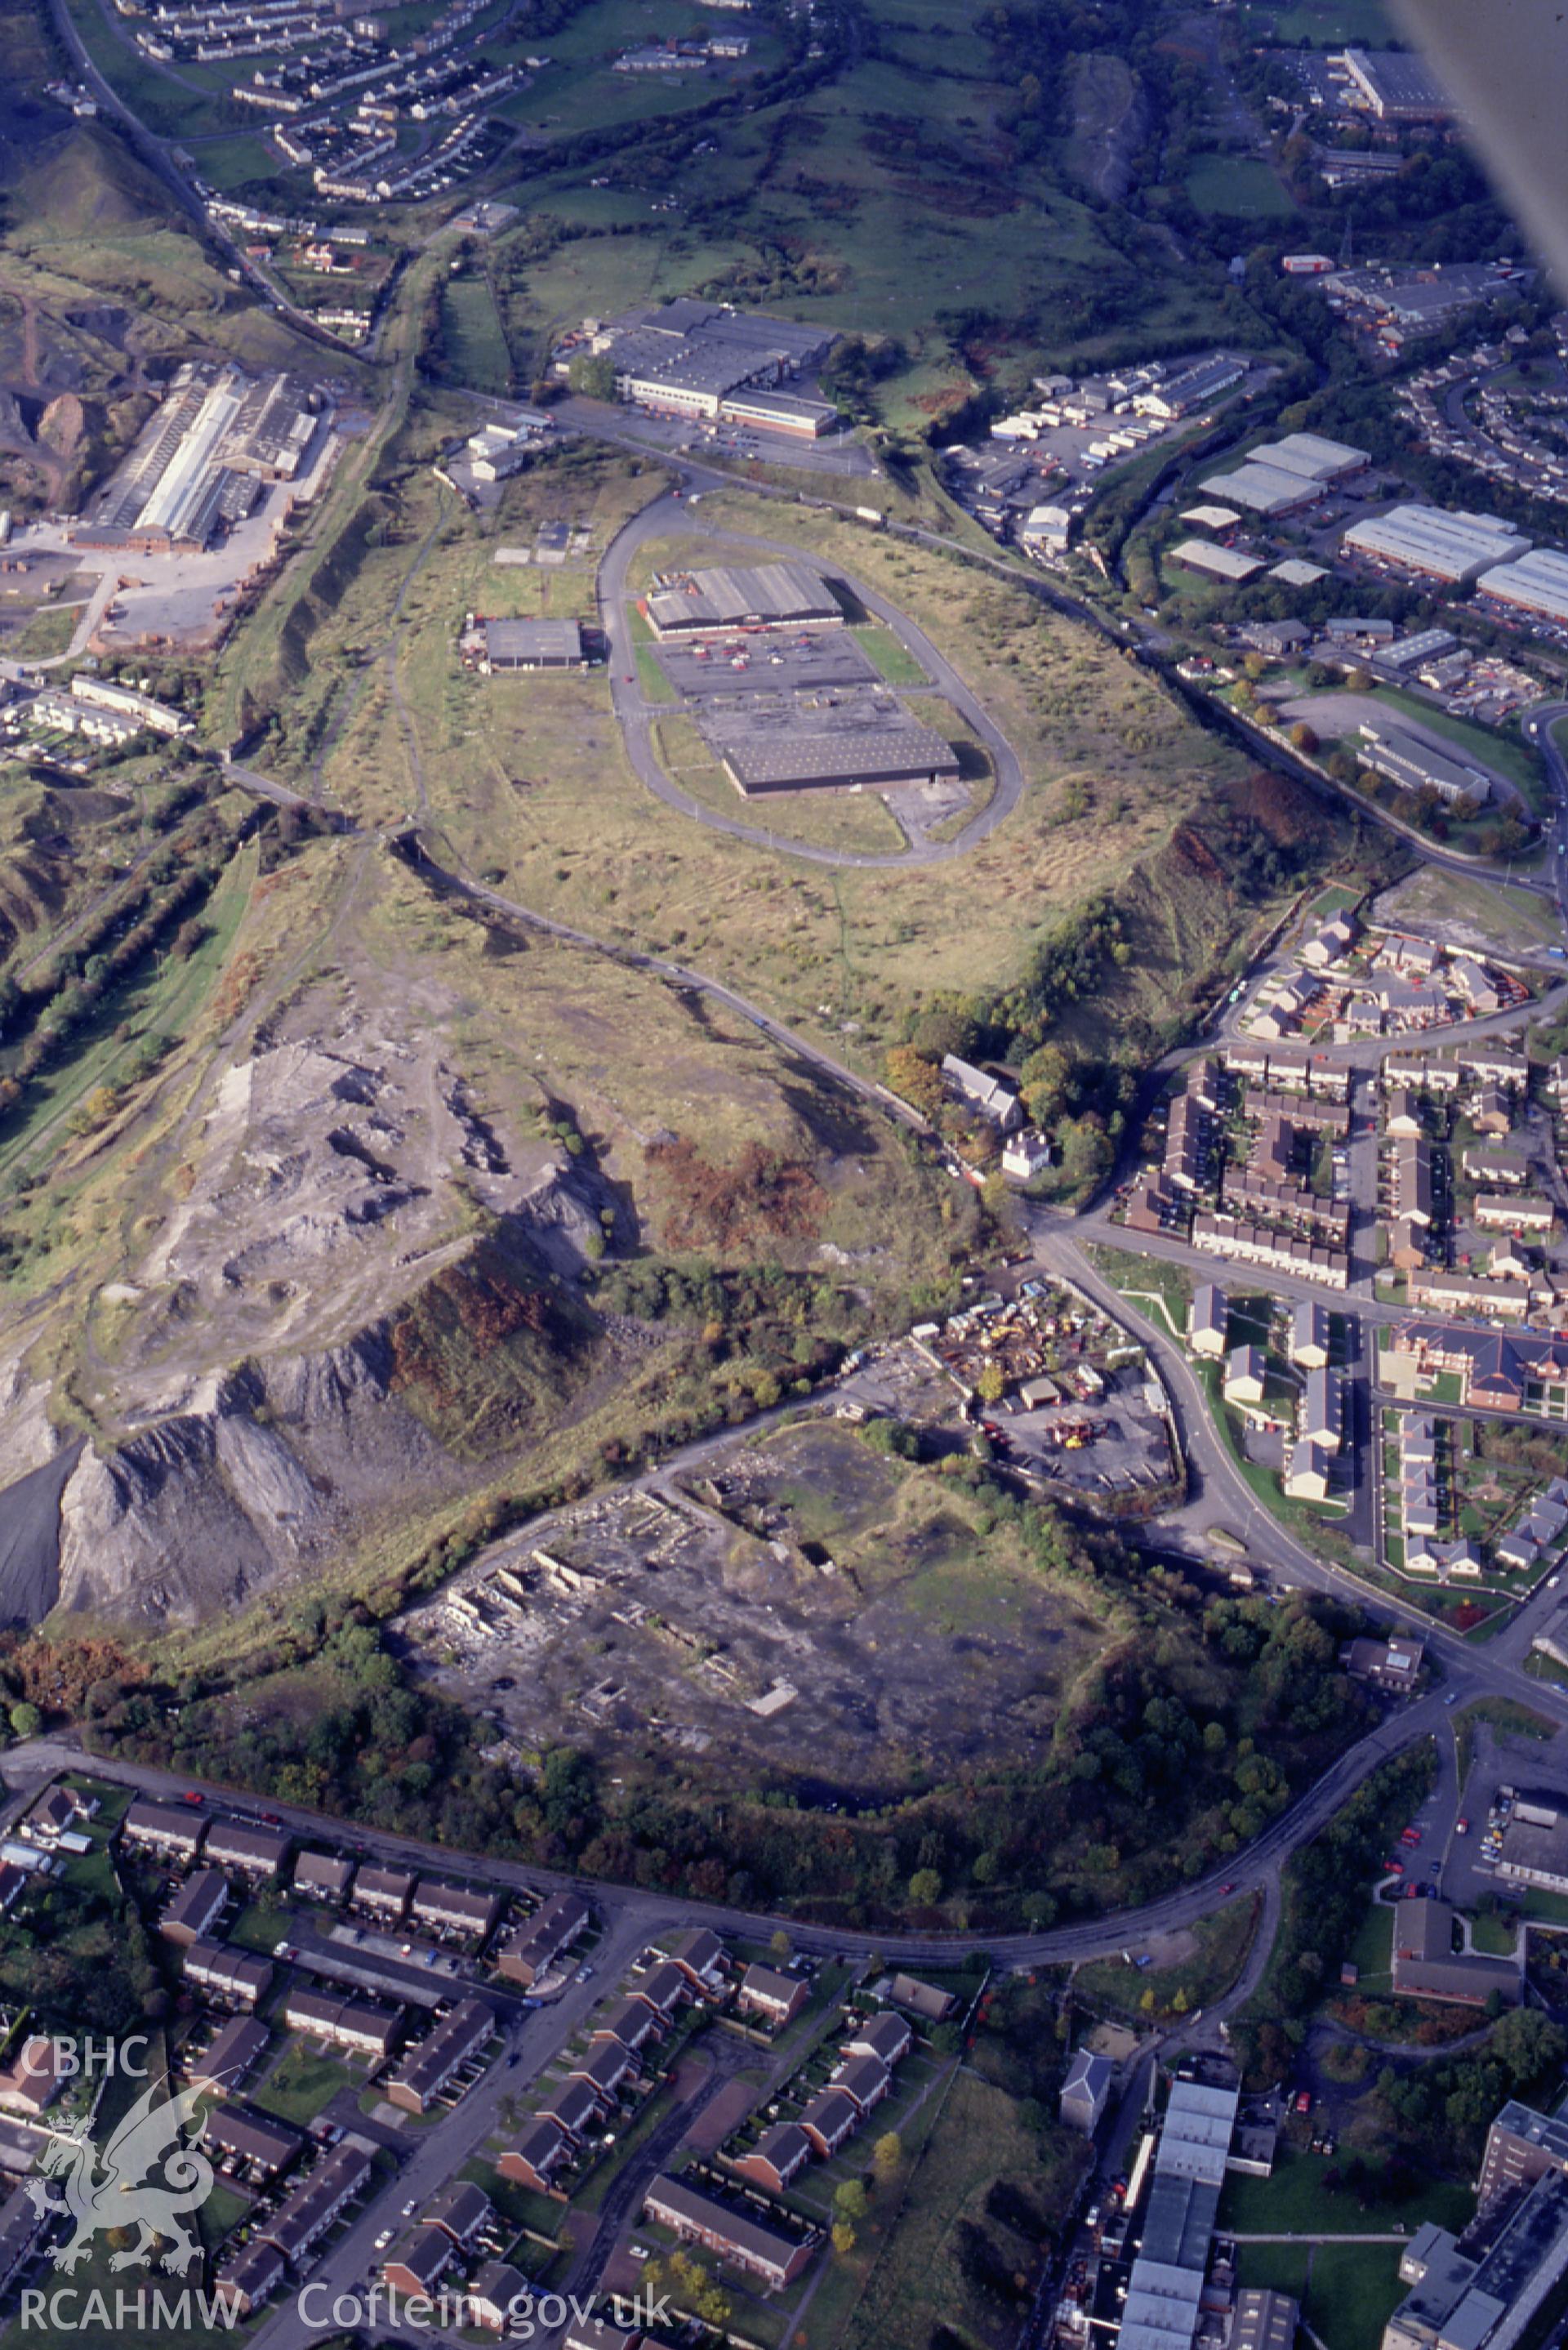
(1192, 1728)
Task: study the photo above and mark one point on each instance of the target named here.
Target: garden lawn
(1294, 2202)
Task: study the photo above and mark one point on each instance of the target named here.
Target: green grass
(923, 193)
(306, 2080)
(1549, 1908)
(166, 110)
(1353, 2290)
(1294, 2202)
(474, 341)
(919, 2277)
(261, 1925)
(892, 658)
(1326, 24)
(236, 163)
(1143, 1280)
(221, 2214)
(161, 998)
(1273, 2268)
(656, 686)
(1340, 897)
(1492, 1937)
(46, 634)
(1237, 187)
(1373, 1948)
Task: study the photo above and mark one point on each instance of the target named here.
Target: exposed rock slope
(276, 1367)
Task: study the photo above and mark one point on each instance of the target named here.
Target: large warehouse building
(533, 644)
(689, 357)
(204, 460)
(1389, 750)
(1264, 489)
(1395, 85)
(1455, 547)
(806, 745)
(1218, 562)
(1280, 476)
(1313, 455)
(1537, 583)
(741, 596)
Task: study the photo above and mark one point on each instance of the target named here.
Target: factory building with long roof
(743, 595)
(1455, 548)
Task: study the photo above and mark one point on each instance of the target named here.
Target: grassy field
(1162, 1292)
(1353, 2290)
(48, 632)
(1239, 187)
(1372, 1952)
(305, 2081)
(1502, 920)
(159, 1000)
(875, 201)
(1325, 24)
(1294, 2201)
(895, 662)
(474, 340)
(918, 2277)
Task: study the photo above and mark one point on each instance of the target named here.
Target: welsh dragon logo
(147, 2177)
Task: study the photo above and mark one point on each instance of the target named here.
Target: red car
(1227, 1888)
(190, 1797)
(1304, 2101)
(1395, 1867)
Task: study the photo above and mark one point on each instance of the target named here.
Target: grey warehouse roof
(734, 594)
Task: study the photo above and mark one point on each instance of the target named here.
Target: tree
(843, 2239)
(781, 1945)
(992, 1384)
(916, 1078)
(1305, 737)
(924, 1888)
(849, 2199)
(592, 373)
(1044, 1080)
(886, 2154)
(25, 1720)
